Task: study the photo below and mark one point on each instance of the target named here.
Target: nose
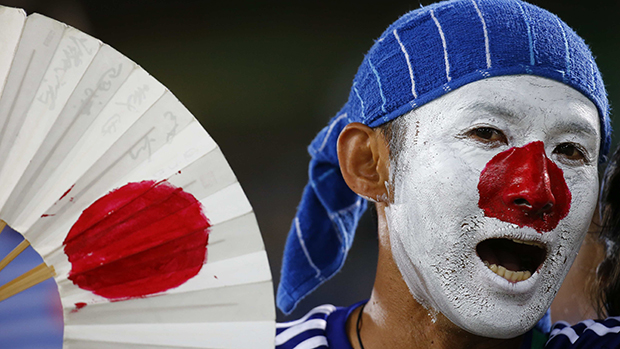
(529, 188)
(524, 187)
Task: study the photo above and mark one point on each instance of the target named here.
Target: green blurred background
(264, 77)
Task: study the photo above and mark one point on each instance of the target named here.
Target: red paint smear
(140, 239)
(519, 174)
(78, 306)
(67, 192)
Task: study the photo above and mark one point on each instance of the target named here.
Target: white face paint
(436, 221)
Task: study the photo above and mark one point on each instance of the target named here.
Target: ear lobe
(363, 154)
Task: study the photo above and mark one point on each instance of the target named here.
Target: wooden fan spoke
(23, 282)
(14, 253)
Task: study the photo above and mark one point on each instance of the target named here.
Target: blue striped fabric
(307, 332)
(325, 327)
(586, 334)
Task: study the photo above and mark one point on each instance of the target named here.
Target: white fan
(116, 185)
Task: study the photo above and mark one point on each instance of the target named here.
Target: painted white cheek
(583, 185)
(406, 219)
(402, 253)
(565, 240)
(424, 225)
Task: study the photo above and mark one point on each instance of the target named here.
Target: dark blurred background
(264, 77)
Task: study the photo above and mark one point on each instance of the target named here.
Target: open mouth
(514, 260)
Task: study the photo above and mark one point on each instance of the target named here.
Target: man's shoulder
(323, 327)
(586, 334)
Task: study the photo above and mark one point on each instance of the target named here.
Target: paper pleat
(11, 25)
(240, 335)
(223, 304)
(107, 72)
(246, 269)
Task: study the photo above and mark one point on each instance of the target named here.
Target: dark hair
(607, 285)
(394, 133)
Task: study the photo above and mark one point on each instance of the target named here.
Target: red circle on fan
(140, 239)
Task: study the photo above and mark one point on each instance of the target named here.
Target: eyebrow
(576, 127)
(563, 126)
(493, 109)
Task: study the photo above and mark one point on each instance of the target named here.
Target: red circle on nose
(524, 187)
(140, 239)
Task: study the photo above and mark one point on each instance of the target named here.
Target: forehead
(526, 101)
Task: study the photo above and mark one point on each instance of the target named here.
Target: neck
(392, 318)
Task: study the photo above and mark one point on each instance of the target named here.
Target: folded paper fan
(127, 199)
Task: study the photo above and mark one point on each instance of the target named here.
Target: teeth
(512, 276)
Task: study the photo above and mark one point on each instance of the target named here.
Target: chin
(498, 282)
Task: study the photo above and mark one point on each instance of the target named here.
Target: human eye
(487, 135)
(571, 153)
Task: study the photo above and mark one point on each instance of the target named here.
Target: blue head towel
(423, 55)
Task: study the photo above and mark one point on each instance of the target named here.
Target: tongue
(500, 252)
(510, 261)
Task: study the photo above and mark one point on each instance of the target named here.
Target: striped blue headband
(423, 55)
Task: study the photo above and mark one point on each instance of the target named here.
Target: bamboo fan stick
(2, 225)
(16, 251)
(23, 282)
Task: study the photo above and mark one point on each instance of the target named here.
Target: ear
(363, 154)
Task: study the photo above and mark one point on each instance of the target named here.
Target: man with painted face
(475, 127)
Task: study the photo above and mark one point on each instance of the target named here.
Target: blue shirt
(325, 327)
(586, 334)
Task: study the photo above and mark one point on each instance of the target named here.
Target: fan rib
(14, 101)
(14, 253)
(23, 282)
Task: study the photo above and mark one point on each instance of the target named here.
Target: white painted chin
(456, 282)
(509, 312)
(504, 307)
(512, 308)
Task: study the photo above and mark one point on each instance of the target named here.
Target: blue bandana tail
(322, 231)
